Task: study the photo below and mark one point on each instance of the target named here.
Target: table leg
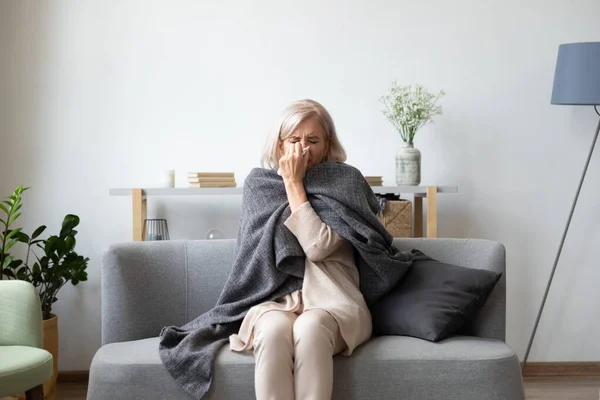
(418, 216)
(432, 211)
(139, 214)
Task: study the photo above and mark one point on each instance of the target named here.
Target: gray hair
(296, 113)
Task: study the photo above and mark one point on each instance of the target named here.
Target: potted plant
(56, 264)
(408, 109)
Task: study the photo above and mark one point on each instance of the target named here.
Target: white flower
(408, 110)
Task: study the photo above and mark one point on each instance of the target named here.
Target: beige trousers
(294, 355)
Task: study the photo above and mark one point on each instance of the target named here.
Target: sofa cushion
(433, 300)
(23, 368)
(462, 367)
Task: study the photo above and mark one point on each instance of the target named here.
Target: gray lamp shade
(577, 74)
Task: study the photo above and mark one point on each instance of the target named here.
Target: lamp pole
(562, 242)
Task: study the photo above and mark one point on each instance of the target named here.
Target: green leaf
(22, 237)
(7, 261)
(58, 249)
(50, 245)
(38, 231)
(13, 232)
(23, 274)
(9, 273)
(3, 209)
(36, 276)
(13, 218)
(70, 243)
(70, 222)
(36, 269)
(55, 260)
(82, 276)
(10, 244)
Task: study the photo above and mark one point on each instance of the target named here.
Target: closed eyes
(311, 140)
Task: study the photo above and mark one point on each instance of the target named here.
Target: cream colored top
(331, 283)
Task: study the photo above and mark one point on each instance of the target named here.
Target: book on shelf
(213, 184)
(210, 174)
(196, 179)
(211, 179)
(374, 180)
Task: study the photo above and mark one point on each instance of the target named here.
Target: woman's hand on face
(293, 163)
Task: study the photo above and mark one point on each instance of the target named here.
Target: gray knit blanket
(269, 262)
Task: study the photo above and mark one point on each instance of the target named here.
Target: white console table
(139, 197)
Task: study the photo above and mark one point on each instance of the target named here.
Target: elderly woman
(310, 258)
(295, 337)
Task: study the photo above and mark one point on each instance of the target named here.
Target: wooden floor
(68, 391)
(562, 388)
(547, 388)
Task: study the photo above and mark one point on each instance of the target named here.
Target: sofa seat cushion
(386, 367)
(23, 368)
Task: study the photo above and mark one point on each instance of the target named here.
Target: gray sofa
(147, 285)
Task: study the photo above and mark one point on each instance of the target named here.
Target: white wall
(107, 94)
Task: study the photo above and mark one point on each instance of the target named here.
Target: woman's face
(310, 134)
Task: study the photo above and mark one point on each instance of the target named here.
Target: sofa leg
(37, 393)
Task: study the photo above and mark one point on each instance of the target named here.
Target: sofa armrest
(490, 321)
(20, 314)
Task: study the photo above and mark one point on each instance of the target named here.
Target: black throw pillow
(433, 300)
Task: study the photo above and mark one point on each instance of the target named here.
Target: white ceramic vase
(168, 179)
(408, 165)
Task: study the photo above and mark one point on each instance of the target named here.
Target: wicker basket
(397, 218)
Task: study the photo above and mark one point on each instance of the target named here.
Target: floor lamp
(576, 83)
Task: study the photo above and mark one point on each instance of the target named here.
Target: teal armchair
(24, 365)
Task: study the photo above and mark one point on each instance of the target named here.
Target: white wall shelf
(422, 190)
(139, 202)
